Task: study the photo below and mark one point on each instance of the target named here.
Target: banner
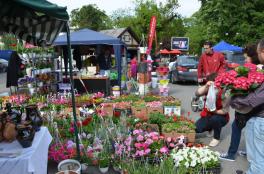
(152, 30)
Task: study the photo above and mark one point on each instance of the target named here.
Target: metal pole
(72, 92)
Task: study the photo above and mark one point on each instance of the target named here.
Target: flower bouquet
(241, 81)
(196, 160)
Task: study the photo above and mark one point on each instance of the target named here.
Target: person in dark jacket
(14, 71)
(254, 131)
(104, 61)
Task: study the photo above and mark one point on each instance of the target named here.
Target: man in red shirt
(210, 62)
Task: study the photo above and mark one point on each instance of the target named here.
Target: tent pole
(72, 91)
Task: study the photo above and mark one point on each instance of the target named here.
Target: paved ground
(184, 92)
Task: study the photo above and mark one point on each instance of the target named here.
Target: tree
(237, 21)
(89, 16)
(169, 22)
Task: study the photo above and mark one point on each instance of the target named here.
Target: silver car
(185, 69)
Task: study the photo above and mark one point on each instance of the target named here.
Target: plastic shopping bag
(211, 99)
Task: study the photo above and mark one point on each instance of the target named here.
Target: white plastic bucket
(66, 165)
(154, 82)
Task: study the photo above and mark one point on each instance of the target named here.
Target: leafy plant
(172, 103)
(150, 98)
(159, 119)
(179, 127)
(104, 160)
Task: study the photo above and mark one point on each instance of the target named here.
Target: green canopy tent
(38, 22)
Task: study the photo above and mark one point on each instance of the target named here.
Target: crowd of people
(249, 110)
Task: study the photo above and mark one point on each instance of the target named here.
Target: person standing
(254, 131)
(251, 56)
(172, 67)
(210, 62)
(104, 61)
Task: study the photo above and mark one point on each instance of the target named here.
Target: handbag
(241, 119)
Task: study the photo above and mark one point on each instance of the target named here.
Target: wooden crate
(154, 110)
(190, 136)
(140, 113)
(108, 108)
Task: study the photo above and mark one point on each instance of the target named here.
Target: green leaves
(242, 71)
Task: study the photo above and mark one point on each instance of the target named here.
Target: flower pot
(103, 170)
(69, 165)
(67, 172)
(40, 84)
(116, 168)
(31, 90)
(84, 166)
(215, 170)
(29, 72)
(30, 85)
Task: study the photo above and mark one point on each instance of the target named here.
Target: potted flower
(196, 160)
(158, 119)
(104, 162)
(181, 127)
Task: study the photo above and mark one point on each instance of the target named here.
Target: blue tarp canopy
(224, 46)
(5, 54)
(90, 37)
(87, 37)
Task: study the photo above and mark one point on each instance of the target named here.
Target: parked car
(185, 69)
(3, 65)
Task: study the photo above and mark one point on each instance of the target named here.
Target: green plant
(104, 160)
(139, 104)
(172, 103)
(159, 119)
(150, 98)
(179, 127)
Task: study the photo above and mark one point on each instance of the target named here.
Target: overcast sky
(186, 9)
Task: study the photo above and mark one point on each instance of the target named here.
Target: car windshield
(187, 60)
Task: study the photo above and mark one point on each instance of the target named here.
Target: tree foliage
(89, 16)
(169, 22)
(238, 22)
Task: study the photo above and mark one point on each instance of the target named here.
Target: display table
(32, 160)
(92, 84)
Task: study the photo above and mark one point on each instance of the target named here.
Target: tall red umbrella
(175, 52)
(164, 51)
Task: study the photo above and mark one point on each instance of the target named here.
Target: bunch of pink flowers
(139, 144)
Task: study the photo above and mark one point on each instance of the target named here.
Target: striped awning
(38, 22)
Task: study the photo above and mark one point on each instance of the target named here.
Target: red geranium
(241, 81)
